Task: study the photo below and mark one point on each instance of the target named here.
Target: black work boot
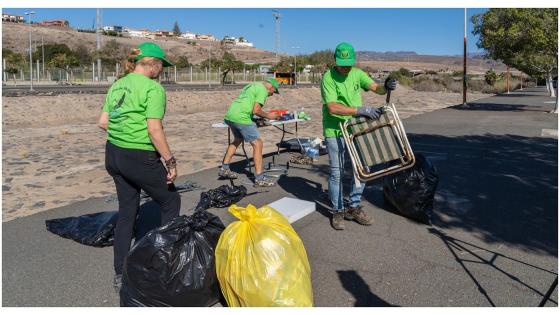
(337, 220)
(358, 214)
(227, 174)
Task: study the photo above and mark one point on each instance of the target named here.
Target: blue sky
(426, 31)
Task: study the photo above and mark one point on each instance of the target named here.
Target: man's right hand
(369, 111)
(273, 116)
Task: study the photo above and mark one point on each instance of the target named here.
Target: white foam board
(293, 209)
(552, 133)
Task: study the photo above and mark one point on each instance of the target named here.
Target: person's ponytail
(130, 63)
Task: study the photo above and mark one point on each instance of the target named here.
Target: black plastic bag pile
(223, 196)
(95, 229)
(174, 265)
(98, 229)
(412, 191)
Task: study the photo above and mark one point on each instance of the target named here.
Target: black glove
(390, 84)
(369, 111)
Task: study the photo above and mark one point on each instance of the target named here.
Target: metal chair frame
(406, 159)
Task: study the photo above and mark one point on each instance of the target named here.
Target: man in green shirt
(239, 118)
(341, 92)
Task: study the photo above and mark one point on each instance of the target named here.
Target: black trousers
(133, 170)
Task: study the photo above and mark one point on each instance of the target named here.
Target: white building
(241, 41)
(113, 28)
(230, 40)
(244, 44)
(140, 33)
(188, 35)
(205, 37)
(263, 69)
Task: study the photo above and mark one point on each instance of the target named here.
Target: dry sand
(53, 153)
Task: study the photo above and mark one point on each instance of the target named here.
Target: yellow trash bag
(261, 261)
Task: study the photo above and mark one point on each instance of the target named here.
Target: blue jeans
(337, 153)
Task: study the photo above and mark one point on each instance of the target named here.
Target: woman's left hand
(171, 174)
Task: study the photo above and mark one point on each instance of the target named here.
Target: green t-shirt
(241, 110)
(346, 90)
(130, 101)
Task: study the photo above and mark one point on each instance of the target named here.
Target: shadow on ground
(501, 187)
(514, 102)
(501, 107)
(353, 283)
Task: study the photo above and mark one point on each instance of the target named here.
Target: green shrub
(490, 77)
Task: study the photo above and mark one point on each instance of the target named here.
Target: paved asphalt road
(493, 241)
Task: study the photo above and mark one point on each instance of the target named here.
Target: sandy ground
(53, 153)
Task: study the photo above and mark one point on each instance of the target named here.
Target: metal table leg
(246, 157)
(284, 169)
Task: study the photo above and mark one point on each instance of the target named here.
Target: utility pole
(277, 17)
(295, 65)
(98, 31)
(43, 55)
(465, 63)
(209, 66)
(30, 53)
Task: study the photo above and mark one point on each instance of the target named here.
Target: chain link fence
(108, 74)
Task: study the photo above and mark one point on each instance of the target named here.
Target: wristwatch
(171, 163)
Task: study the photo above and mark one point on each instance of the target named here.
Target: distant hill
(15, 37)
(388, 55)
(475, 61)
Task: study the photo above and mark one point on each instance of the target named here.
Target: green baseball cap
(344, 55)
(149, 49)
(274, 83)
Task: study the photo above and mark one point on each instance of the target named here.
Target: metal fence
(108, 74)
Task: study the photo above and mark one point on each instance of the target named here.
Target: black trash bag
(412, 191)
(223, 196)
(98, 229)
(174, 265)
(294, 145)
(95, 229)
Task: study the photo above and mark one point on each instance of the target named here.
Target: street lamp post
(465, 63)
(30, 52)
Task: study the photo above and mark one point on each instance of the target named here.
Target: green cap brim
(165, 62)
(345, 62)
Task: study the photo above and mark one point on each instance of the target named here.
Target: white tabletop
(267, 122)
(281, 122)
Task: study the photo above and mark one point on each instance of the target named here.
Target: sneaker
(358, 215)
(264, 182)
(117, 283)
(338, 220)
(227, 174)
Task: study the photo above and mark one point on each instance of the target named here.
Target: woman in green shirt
(136, 144)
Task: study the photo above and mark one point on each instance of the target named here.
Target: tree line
(60, 56)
